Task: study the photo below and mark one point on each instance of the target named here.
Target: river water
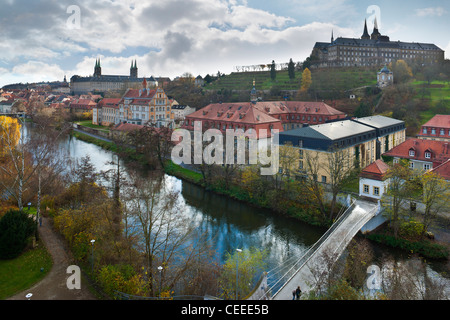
(232, 224)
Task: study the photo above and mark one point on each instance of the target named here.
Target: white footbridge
(278, 283)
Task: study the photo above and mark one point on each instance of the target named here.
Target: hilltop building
(102, 83)
(385, 78)
(372, 50)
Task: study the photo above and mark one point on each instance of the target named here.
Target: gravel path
(53, 286)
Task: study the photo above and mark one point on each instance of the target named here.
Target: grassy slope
(21, 273)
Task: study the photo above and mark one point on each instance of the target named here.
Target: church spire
(365, 33)
(375, 34)
(332, 35)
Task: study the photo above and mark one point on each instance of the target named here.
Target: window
(411, 165)
(366, 188)
(426, 166)
(376, 191)
(424, 130)
(428, 155)
(411, 153)
(442, 132)
(433, 131)
(324, 179)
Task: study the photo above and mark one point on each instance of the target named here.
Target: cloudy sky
(43, 40)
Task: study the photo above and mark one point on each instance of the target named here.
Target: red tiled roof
(298, 107)
(443, 170)
(375, 171)
(109, 102)
(439, 121)
(134, 93)
(82, 104)
(440, 150)
(232, 112)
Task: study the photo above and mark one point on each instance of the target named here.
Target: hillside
(325, 82)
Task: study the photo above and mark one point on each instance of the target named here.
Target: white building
(372, 180)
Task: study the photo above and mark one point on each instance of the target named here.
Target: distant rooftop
(331, 131)
(379, 121)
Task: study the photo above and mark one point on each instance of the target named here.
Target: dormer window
(424, 130)
(412, 153)
(427, 155)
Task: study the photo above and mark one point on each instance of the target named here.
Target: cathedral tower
(97, 69)
(375, 34)
(133, 70)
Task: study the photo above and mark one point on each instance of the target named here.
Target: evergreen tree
(273, 73)
(15, 229)
(291, 70)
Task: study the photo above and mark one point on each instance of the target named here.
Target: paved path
(53, 286)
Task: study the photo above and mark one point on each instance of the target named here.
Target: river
(235, 225)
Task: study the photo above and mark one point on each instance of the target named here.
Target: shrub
(411, 230)
(16, 227)
(425, 248)
(121, 278)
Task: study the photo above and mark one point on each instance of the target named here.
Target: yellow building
(342, 144)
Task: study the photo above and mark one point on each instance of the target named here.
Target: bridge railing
(305, 258)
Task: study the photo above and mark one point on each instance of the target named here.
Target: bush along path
(54, 285)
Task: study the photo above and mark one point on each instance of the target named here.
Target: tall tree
(273, 72)
(306, 80)
(239, 271)
(291, 69)
(397, 194)
(167, 240)
(435, 195)
(339, 166)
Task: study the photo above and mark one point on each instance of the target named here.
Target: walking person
(298, 292)
(294, 294)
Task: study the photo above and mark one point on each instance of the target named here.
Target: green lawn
(21, 273)
(89, 124)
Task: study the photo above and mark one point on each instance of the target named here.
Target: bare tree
(338, 167)
(313, 187)
(167, 240)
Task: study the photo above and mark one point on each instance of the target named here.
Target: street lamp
(160, 280)
(92, 256)
(237, 270)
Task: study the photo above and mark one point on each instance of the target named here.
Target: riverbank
(427, 248)
(185, 173)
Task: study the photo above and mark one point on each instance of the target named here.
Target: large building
(146, 106)
(103, 83)
(372, 50)
(421, 154)
(266, 115)
(361, 141)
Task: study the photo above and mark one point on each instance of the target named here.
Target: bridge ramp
(334, 245)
